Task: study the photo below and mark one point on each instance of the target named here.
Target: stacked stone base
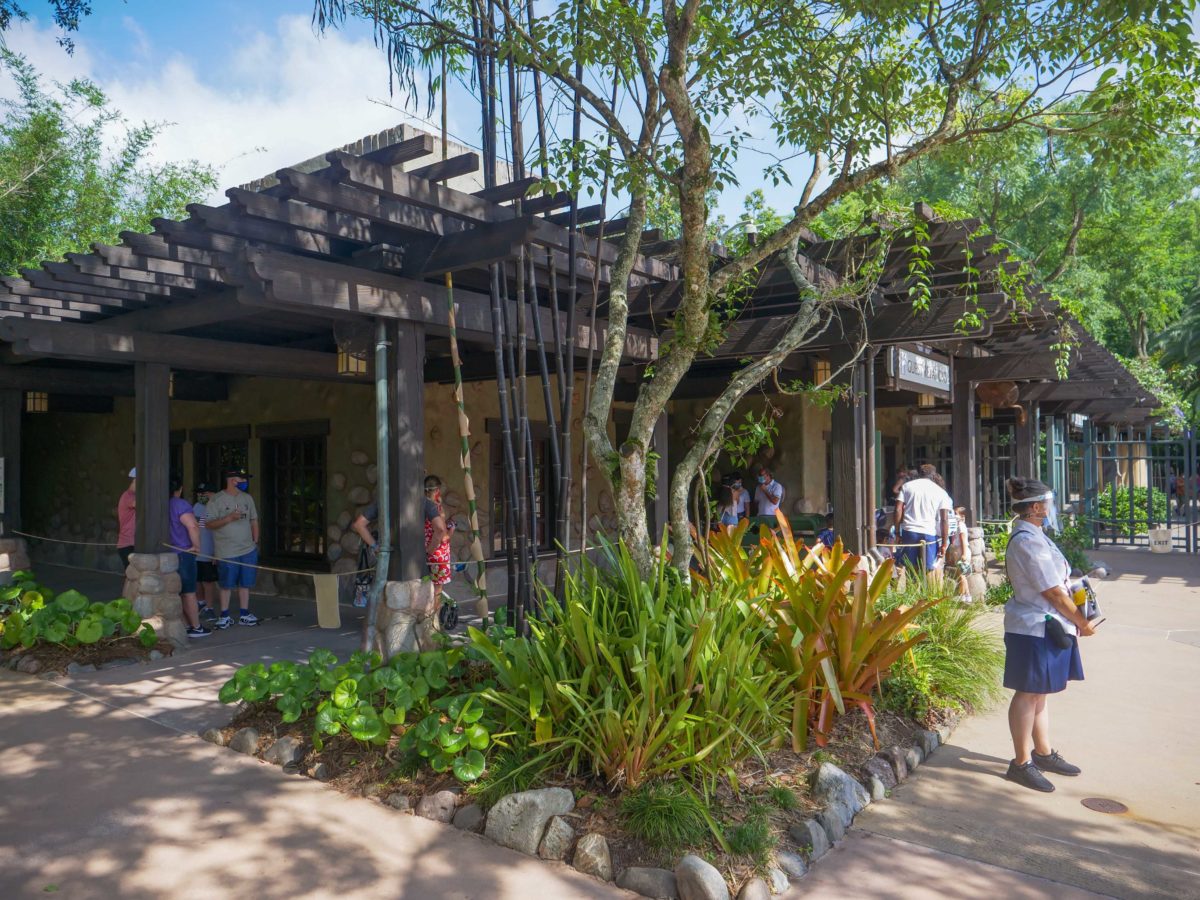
(406, 619)
(14, 556)
(152, 585)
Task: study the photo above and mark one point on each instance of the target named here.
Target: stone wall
(406, 619)
(14, 556)
(152, 584)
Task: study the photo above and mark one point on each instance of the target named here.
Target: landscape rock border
(535, 822)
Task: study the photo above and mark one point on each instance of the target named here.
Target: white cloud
(294, 95)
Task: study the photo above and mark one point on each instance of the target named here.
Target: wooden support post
(964, 428)
(152, 450)
(870, 463)
(1025, 460)
(848, 456)
(660, 515)
(12, 403)
(406, 407)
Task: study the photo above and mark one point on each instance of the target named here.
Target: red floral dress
(438, 558)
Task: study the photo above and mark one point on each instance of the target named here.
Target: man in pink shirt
(127, 519)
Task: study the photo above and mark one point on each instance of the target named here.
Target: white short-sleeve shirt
(923, 502)
(768, 497)
(1034, 565)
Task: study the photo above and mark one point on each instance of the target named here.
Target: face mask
(243, 486)
(1051, 521)
(737, 485)
(762, 479)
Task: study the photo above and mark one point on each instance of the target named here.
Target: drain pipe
(383, 495)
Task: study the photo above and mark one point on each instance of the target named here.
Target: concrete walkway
(957, 829)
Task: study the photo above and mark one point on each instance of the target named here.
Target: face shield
(1051, 521)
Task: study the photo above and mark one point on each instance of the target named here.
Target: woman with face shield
(1041, 630)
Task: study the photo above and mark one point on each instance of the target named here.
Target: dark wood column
(152, 449)
(659, 514)
(406, 413)
(847, 452)
(964, 430)
(12, 402)
(1026, 460)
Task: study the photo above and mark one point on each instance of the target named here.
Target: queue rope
(202, 557)
(38, 537)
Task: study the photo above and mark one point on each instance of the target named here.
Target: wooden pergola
(254, 287)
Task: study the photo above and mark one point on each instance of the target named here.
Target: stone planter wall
(406, 618)
(152, 585)
(14, 556)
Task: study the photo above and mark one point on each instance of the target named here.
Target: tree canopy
(838, 96)
(73, 173)
(65, 13)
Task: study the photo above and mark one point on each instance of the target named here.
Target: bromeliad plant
(31, 614)
(427, 699)
(635, 679)
(829, 635)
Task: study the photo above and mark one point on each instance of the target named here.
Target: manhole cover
(1099, 804)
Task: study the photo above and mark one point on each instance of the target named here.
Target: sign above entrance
(917, 372)
(930, 420)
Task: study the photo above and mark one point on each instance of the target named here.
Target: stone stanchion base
(152, 585)
(406, 618)
(14, 556)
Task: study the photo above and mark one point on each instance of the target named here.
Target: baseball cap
(236, 472)
(133, 472)
(204, 488)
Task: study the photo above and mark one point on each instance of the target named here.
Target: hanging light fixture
(821, 371)
(351, 363)
(37, 402)
(986, 411)
(925, 401)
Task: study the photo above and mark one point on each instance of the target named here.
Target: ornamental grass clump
(634, 680)
(829, 635)
(666, 815)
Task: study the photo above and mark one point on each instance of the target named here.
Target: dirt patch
(56, 658)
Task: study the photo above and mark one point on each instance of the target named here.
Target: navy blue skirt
(1034, 665)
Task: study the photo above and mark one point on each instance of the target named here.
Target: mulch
(56, 658)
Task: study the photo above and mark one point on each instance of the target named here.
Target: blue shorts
(912, 556)
(231, 575)
(1034, 665)
(187, 572)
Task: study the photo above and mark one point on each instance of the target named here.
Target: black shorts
(206, 571)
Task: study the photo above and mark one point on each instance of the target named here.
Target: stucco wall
(76, 464)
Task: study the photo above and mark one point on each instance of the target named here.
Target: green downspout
(383, 487)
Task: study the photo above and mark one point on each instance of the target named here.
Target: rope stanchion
(38, 537)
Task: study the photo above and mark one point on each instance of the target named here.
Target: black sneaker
(1029, 776)
(1054, 764)
(198, 632)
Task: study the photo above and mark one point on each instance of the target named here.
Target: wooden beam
(181, 315)
(231, 220)
(586, 214)
(128, 258)
(847, 454)
(1026, 458)
(84, 342)
(547, 203)
(94, 383)
(1014, 367)
(90, 264)
(445, 169)
(964, 436)
(78, 299)
(64, 275)
(152, 449)
(494, 242)
(406, 414)
(398, 154)
(611, 227)
(510, 190)
(12, 404)
(1073, 389)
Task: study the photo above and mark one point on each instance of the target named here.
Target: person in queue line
(740, 494)
(127, 520)
(184, 535)
(826, 535)
(727, 507)
(206, 564)
(1042, 627)
(365, 525)
(437, 534)
(769, 493)
(233, 520)
(922, 520)
(958, 555)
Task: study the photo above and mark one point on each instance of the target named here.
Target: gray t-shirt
(234, 539)
(371, 511)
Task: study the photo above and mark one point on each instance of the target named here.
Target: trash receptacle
(1160, 540)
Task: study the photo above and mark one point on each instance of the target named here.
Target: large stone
(320, 772)
(143, 605)
(245, 740)
(172, 583)
(285, 751)
(754, 889)
(912, 757)
(29, 665)
(791, 863)
(519, 820)
(403, 631)
(658, 883)
(831, 785)
(928, 741)
(168, 563)
(812, 837)
(145, 562)
(895, 756)
(469, 818)
(592, 857)
(696, 879)
(876, 789)
(74, 668)
(557, 841)
(411, 595)
(350, 542)
(777, 879)
(978, 586)
(359, 495)
(834, 820)
(345, 517)
(399, 802)
(214, 736)
(880, 767)
(372, 473)
(439, 807)
(338, 481)
(943, 733)
(359, 457)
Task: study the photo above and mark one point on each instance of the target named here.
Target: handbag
(1057, 634)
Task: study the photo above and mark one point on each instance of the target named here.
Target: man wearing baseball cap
(206, 563)
(233, 521)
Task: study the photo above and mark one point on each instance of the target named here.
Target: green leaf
(440, 762)
(147, 636)
(477, 736)
(452, 741)
(345, 695)
(394, 716)
(326, 721)
(230, 691)
(89, 630)
(72, 601)
(469, 766)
